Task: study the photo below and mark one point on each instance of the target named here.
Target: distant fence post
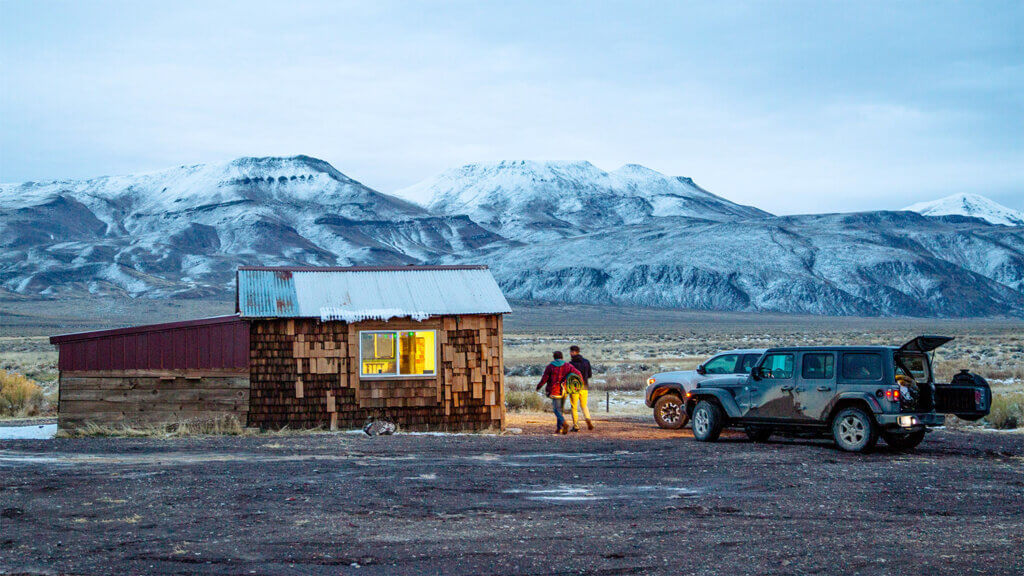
(607, 401)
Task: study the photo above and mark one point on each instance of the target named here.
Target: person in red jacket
(553, 382)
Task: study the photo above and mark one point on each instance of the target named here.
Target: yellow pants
(579, 400)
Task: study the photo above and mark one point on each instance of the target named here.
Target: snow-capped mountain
(184, 230)
(866, 264)
(973, 205)
(529, 201)
(558, 232)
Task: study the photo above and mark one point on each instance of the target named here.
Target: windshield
(913, 365)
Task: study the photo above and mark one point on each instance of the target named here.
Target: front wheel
(669, 412)
(854, 430)
(708, 421)
(903, 441)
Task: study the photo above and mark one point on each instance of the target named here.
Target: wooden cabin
(327, 347)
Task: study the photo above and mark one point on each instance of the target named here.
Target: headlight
(650, 381)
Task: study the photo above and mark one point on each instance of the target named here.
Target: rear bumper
(910, 422)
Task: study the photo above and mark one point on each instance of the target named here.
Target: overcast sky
(793, 107)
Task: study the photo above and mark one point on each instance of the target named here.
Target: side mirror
(701, 370)
(755, 373)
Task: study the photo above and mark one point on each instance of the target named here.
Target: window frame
(803, 366)
(398, 356)
(881, 366)
(720, 356)
(764, 359)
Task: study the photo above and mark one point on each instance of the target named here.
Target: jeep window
(722, 364)
(747, 363)
(862, 366)
(818, 367)
(777, 366)
(913, 365)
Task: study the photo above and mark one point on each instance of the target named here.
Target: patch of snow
(32, 432)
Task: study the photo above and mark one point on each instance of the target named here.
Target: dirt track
(633, 500)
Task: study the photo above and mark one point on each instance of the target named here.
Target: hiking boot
(565, 429)
(590, 424)
(575, 428)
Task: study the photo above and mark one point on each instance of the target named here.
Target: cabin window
(393, 353)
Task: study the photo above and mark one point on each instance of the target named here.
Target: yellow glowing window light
(398, 353)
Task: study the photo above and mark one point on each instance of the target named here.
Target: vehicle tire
(758, 433)
(903, 441)
(854, 430)
(669, 412)
(708, 421)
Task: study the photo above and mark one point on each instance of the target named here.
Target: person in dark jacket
(553, 382)
(579, 400)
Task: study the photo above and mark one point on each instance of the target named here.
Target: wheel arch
(721, 397)
(862, 401)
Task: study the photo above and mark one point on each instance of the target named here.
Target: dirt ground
(625, 499)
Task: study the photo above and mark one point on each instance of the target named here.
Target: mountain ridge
(551, 231)
(972, 206)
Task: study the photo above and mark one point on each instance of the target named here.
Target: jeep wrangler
(856, 394)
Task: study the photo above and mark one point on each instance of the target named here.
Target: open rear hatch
(967, 397)
(925, 344)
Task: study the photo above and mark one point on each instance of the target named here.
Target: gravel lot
(610, 503)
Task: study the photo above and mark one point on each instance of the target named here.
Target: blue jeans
(556, 406)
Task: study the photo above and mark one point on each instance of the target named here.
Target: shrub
(19, 396)
(523, 401)
(1007, 411)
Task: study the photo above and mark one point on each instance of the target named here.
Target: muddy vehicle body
(666, 391)
(855, 394)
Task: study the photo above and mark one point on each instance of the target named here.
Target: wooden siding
(305, 373)
(152, 397)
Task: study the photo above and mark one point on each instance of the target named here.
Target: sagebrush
(19, 396)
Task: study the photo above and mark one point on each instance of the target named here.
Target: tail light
(979, 399)
(651, 381)
(892, 394)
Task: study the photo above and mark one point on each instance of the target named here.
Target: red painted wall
(211, 343)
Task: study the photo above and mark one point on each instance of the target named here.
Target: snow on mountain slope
(973, 205)
(527, 200)
(183, 231)
(559, 232)
(876, 263)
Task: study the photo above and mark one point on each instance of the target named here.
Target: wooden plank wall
(304, 373)
(144, 397)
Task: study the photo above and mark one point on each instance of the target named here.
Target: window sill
(397, 376)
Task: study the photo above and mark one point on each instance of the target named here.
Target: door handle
(824, 388)
(785, 388)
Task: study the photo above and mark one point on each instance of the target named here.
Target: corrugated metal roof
(368, 292)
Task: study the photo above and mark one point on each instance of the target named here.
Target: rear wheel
(854, 430)
(758, 433)
(708, 421)
(669, 412)
(903, 441)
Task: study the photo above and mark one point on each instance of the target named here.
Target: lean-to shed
(308, 347)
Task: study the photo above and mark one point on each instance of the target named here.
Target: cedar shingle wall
(304, 373)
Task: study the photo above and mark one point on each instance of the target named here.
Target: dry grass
(1007, 411)
(226, 426)
(526, 401)
(19, 396)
